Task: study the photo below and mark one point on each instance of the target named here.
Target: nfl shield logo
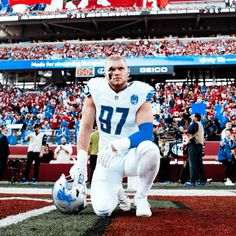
(134, 99)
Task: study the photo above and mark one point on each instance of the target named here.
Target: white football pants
(143, 161)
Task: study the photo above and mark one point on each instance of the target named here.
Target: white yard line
(14, 219)
(153, 192)
(192, 192)
(25, 198)
(15, 190)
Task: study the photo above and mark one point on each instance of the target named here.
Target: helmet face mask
(69, 196)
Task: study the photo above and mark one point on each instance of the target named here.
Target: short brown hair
(115, 58)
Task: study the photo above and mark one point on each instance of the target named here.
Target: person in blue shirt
(226, 157)
(223, 120)
(63, 131)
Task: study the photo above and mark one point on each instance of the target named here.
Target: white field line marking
(14, 219)
(153, 192)
(25, 198)
(192, 192)
(34, 191)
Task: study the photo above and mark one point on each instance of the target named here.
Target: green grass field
(84, 223)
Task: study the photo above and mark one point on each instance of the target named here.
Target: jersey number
(106, 116)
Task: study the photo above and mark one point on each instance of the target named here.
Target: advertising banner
(147, 65)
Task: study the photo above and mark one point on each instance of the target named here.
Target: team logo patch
(134, 99)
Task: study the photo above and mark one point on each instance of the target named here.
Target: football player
(125, 123)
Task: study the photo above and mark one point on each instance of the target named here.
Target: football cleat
(69, 196)
(124, 201)
(228, 182)
(142, 207)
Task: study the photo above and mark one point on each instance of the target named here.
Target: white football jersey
(116, 112)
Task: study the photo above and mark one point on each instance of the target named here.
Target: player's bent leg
(149, 163)
(124, 201)
(147, 170)
(105, 188)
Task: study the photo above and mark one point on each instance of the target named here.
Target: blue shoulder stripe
(150, 95)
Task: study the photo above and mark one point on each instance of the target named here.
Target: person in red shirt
(55, 121)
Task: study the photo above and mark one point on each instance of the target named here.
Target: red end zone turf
(193, 216)
(209, 216)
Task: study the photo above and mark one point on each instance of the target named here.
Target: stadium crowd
(74, 9)
(129, 48)
(59, 107)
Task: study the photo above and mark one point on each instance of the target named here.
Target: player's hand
(106, 156)
(80, 166)
(76, 170)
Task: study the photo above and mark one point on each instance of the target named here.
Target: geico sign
(162, 69)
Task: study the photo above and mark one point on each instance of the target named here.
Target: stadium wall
(52, 171)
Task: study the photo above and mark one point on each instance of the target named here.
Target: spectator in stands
(63, 151)
(4, 150)
(46, 126)
(161, 141)
(167, 116)
(210, 131)
(223, 120)
(93, 151)
(76, 128)
(63, 132)
(195, 150)
(184, 174)
(226, 156)
(228, 126)
(46, 155)
(8, 119)
(55, 121)
(164, 172)
(13, 138)
(36, 141)
(25, 133)
(173, 132)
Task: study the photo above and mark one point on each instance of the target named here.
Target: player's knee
(103, 212)
(148, 147)
(150, 152)
(103, 206)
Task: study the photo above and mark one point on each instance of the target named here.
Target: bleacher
(193, 4)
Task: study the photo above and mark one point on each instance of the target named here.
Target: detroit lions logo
(134, 99)
(63, 196)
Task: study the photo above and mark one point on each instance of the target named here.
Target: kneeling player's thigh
(132, 160)
(105, 186)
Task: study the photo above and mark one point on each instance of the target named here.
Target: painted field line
(14, 219)
(153, 192)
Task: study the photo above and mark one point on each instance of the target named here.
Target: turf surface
(84, 223)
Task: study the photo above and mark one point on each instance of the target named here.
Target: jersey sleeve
(145, 90)
(93, 86)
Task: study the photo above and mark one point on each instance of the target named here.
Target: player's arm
(88, 115)
(144, 119)
(86, 126)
